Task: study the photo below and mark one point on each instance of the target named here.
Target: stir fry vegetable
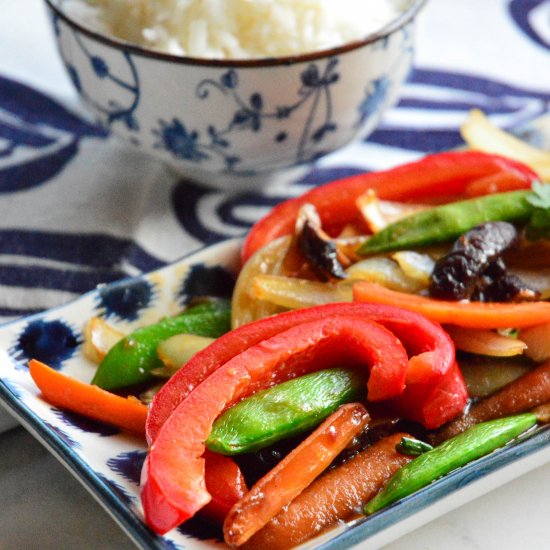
(453, 453)
(479, 133)
(413, 447)
(464, 313)
(486, 342)
(225, 483)
(435, 176)
(335, 495)
(74, 395)
(174, 480)
(131, 360)
(294, 473)
(528, 391)
(430, 349)
(358, 309)
(537, 340)
(285, 410)
(445, 223)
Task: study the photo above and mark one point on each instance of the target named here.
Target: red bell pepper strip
(173, 487)
(438, 175)
(430, 349)
(501, 182)
(430, 404)
(225, 483)
(173, 475)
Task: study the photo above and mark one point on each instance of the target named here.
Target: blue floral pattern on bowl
(237, 119)
(312, 95)
(112, 109)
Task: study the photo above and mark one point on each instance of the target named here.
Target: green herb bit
(412, 447)
(539, 224)
(540, 196)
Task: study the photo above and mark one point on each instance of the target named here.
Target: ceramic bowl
(233, 122)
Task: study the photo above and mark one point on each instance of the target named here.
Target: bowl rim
(400, 21)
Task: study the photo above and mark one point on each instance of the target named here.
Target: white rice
(235, 29)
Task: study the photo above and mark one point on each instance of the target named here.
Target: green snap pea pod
(285, 410)
(474, 443)
(447, 222)
(131, 360)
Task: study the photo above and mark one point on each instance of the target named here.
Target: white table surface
(48, 509)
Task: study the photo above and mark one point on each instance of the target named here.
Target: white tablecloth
(493, 54)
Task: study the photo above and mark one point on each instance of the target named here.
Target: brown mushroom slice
(320, 251)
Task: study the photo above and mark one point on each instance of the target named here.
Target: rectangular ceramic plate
(108, 462)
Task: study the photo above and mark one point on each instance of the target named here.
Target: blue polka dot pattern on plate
(125, 300)
(86, 424)
(201, 529)
(202, 280)
(64, 436)
(120, 493)
(128, 465)
(51, 342)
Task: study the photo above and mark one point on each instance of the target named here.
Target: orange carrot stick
(223, 477)
(462, 313)
(91, 401)
(336, 495)
(294, 473)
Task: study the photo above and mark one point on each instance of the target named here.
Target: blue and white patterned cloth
(78, 208)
